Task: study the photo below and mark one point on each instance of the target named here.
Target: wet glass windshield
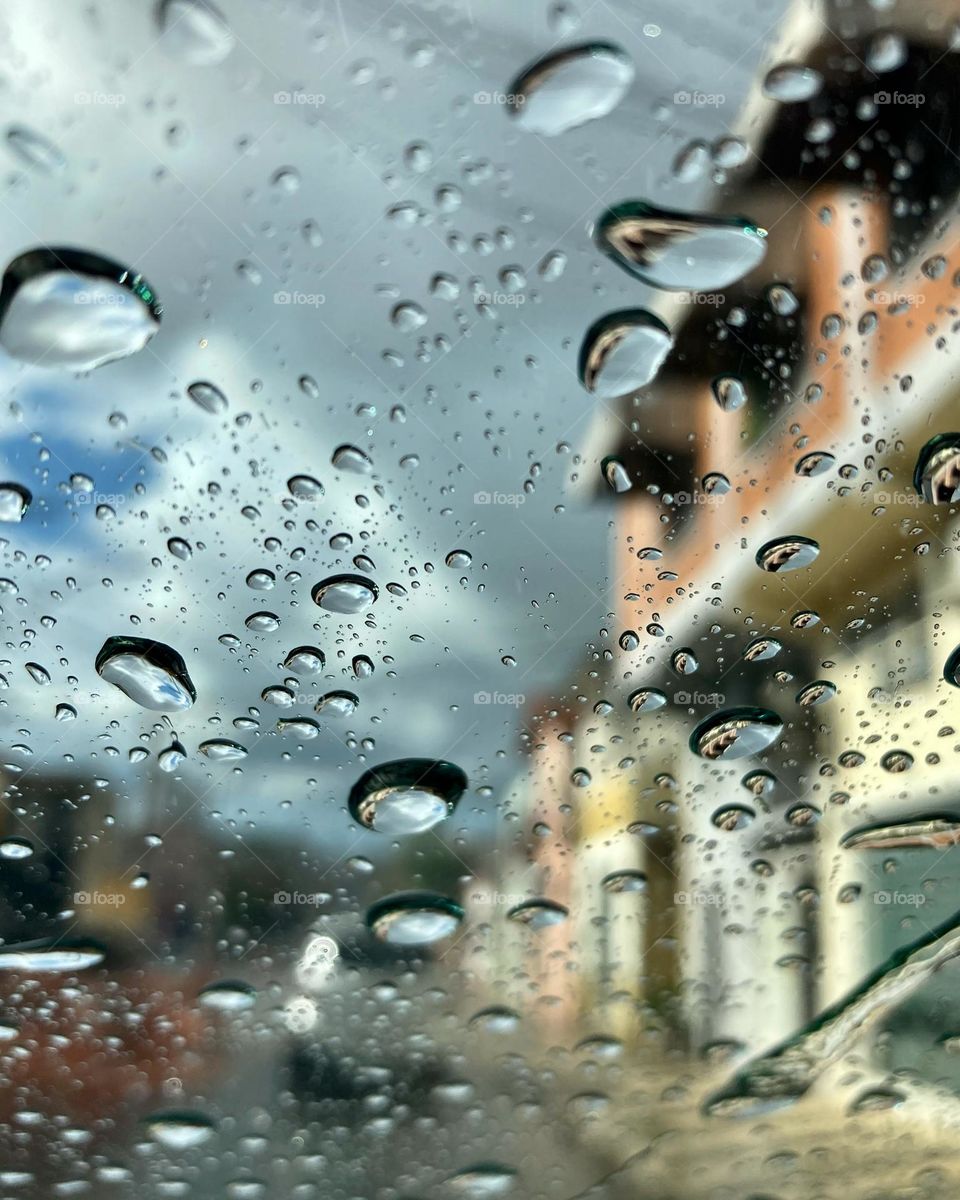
(478, 494)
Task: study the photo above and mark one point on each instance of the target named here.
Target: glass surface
(427, 770)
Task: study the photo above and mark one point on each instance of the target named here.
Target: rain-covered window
(480, 490)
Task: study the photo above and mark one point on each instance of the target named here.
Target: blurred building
(841, 340)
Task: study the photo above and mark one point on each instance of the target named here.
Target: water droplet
(928, 831)
(684, 661)
(626, 880)
(42, 956)
(791, 83)
(337, 704)
(736, 733)
(304, 660)
(406, 796)
(179, 1130)
(459, 560)
(34, 150)
(937, 474)
(150, 673)
(817, 462)
(208, 397)
(623, 351)
(304, 487)
(646, 700)
(818, 692)
(228, 996)
(262, 622)
(172, 757)
(353, 459)
(570, 87)
(538, 914)
(222, 750)
(679, 251)
(897, 761)
(14, 502)
(732, 817)
(414, 918)
(346, 594)
(194, 31)
(729, 392)
(616, 474)
(787, 554)
(13, 849)
(73, 310)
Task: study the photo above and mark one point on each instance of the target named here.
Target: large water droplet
(73, 310)
(679, 251)
(792, 82)
(623, 351)
(44, 956)
(407, 796)
(787, 554)
(345, 593)
(14, 502)
(937, 474)
(570, 87)
(34, 150)
(152, 674)
(414, 918)
(208, 397)
(736, 733)
(179, 1130)
(228, 996)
